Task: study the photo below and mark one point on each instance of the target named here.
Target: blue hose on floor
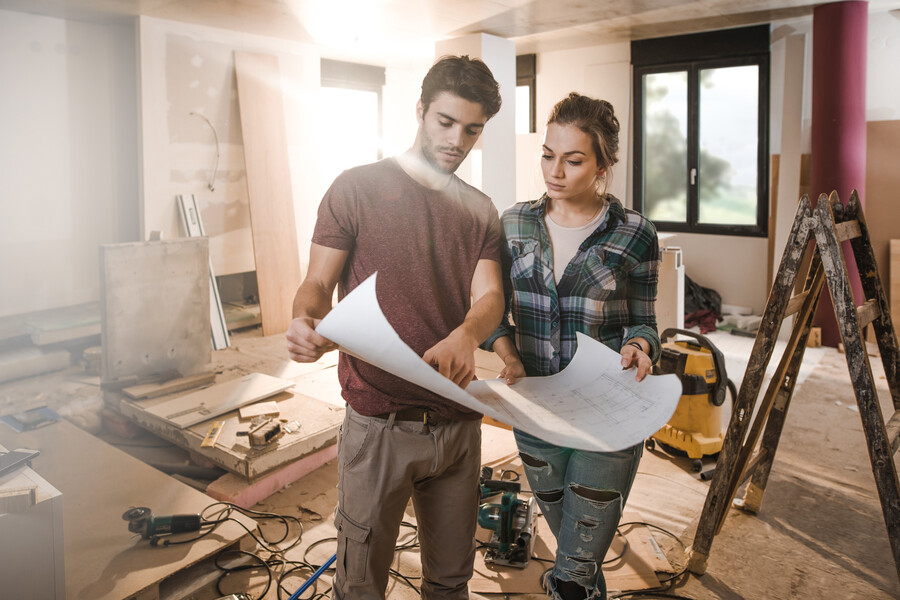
(315, 576)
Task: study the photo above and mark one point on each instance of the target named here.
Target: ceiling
(387, 30)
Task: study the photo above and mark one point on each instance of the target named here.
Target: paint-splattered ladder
(828, 224)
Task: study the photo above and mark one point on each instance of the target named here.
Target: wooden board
(894, 282)
(98, 482)
(879, 199)
(319, 425)
(179, 384)
(155, 308)
(269, 187)
(203, 405)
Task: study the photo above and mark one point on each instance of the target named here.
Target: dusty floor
(820, 533)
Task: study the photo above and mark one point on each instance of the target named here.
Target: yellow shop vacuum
(696, 429)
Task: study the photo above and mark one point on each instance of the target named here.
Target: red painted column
(838, 160)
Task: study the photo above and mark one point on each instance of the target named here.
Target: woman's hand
(506, 350)
(513, 370)
(634, 356)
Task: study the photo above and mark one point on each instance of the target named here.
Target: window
(349, 117)
(701, 131)
(526, 76)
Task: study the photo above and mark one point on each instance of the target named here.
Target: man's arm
(454, 356)
(312, 302)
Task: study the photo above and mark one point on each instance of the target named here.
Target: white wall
(68, 156)
(190, 69)
(600, 71)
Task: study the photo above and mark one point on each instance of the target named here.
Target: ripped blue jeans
(582, 496)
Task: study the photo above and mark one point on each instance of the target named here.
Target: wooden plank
(203, 405)
(848, 230)
(880, 193)
(17, 499)
(103, 560)
(193, 226)
(895, 280)
(868, 312)
(155, 390)
(154, 308)
(269, 187)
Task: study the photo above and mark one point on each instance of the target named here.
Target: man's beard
(429, 153)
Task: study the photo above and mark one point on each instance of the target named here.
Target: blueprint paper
(591, 405)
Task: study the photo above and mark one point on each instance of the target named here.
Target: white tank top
(566, 240)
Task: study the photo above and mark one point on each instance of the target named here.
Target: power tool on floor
(696, 428)
(142, 520)
(511, 523)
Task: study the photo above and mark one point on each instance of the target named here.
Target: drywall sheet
(155, 308)
(196, 407)
(591, 405)
(269, 187)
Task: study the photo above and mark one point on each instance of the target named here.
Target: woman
(578, 261)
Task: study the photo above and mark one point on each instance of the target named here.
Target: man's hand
(303, 343)
(454, 358)
(632, 357)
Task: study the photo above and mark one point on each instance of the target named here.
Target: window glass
(523, 109)
(665, 146)
(729, 111)
(348, 130)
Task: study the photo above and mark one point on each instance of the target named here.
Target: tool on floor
(141, 520)
(511, 523)
(829, 224)
(696, 429)
(312, 579)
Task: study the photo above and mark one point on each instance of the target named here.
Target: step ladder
(828, 225)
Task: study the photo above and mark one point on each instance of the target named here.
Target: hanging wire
(212, 180)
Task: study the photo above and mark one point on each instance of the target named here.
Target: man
(435, 242)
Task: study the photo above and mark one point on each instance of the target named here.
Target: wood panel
(894, 293)
(880, 199)
(269, 187)
(98, 482)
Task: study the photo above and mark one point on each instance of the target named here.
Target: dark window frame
(693, 53)
(526, 75)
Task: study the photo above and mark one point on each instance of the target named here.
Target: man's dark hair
(468, 78)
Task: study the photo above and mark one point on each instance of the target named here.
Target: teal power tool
(141, 520)
(511, 523)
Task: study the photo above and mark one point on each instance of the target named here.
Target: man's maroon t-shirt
(425, 245)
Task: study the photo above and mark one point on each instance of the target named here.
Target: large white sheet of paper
(591, 405)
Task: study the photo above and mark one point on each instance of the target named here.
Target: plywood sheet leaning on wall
(269, 187)
(154, 309)
(895, 281)
(881, 201)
